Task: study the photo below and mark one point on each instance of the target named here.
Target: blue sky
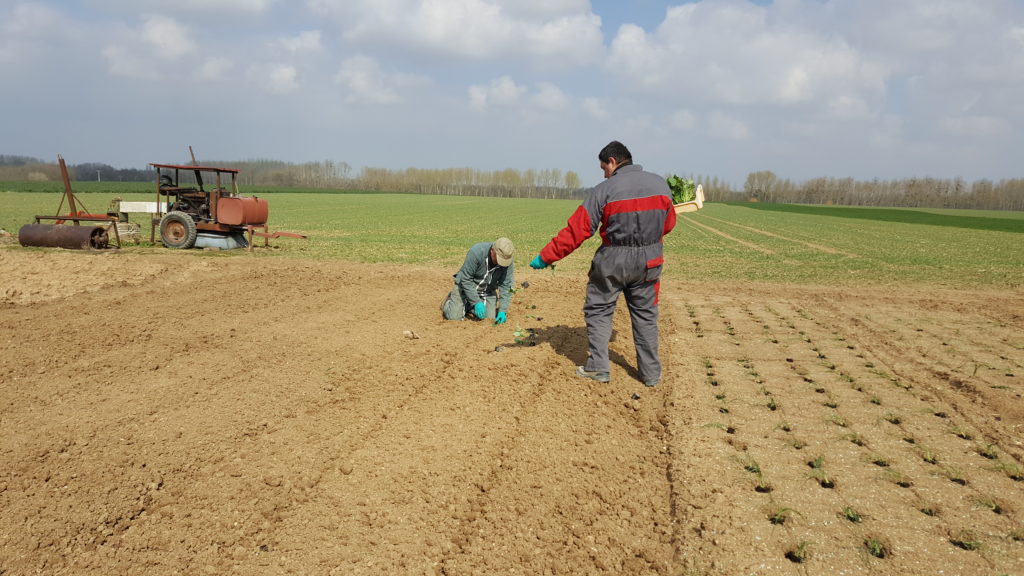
(804, 88)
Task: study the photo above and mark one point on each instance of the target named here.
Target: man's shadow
(571, 342)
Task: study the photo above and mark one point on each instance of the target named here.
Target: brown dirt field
(183, 413)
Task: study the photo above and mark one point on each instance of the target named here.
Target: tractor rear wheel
(178, 230)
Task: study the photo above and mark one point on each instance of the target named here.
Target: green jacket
(480, 277)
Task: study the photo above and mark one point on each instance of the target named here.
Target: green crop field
(723, 242)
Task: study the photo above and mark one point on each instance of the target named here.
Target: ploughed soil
(196, 413)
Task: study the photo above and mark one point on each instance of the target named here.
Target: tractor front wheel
(178, 230)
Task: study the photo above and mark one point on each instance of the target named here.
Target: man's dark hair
(617, 150)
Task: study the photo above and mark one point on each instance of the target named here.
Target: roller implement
(189, 215)
(67, 230)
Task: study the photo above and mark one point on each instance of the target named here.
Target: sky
(867, 89)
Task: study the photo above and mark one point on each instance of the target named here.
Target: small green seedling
(751, 465)
(799, 553)
(852, 515)
(838, 420)
(967, 540)
(898, 478)
(875, 547)
(779, 515)
(819, 474)
(988, 451)
(989, 504)
(955, 475)
(961, 433)
(1012, 470)
(525, 336)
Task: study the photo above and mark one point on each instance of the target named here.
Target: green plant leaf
(683, 190)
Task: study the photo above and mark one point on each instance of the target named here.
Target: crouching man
(483, 286)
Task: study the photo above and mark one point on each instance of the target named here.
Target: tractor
(190, 215)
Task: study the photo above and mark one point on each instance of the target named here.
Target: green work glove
(537, 263)
(480, 309)
(501, 318)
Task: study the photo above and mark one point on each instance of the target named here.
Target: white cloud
(595, 108)
(682, 121)
(122, 61)
(550, 33)
(531, 9)
(139, 53)
(973, 126)
(732, 53)
(283, 79)
(726, 127)
(502, 92)
(505, 94)
(842, 106)
(168, 38)
(367, 83)
(188, 6)
(303, 43)
(30, 19)
(1017, 34)
(29, 28)
(215, 68)
(550, 98)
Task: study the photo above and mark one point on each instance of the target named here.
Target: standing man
(483, 286)
(634, 211)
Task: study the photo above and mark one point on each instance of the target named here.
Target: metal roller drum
(59, 236)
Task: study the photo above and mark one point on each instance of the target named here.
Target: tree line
(1006, 194)
(760, 186)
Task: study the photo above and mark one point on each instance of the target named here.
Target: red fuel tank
(241, 211)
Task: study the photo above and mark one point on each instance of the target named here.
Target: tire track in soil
(713, 230)
(811, 245)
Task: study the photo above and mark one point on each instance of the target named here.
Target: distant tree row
(508, 183)
(761, 186)
(23, 168)
(1007, 194)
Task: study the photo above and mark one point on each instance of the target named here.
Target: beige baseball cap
(503, 251)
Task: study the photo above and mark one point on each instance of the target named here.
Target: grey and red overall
(633, 210)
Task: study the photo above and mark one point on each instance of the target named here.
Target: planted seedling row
(945, 348)
(845, 422)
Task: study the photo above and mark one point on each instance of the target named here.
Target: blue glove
(480, 309)
(537, 263)
(501, 318)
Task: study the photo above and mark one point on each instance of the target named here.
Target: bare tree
(759, 185)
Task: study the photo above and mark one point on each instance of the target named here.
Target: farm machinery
(190, 215)
(75, 236)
